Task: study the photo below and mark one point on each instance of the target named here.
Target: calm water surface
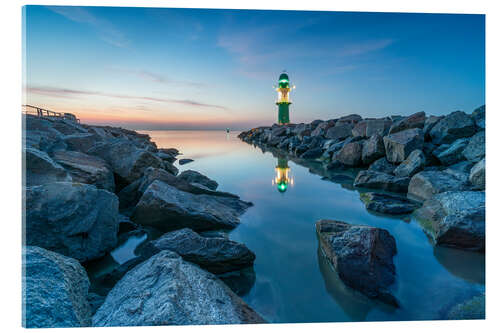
(294, 283)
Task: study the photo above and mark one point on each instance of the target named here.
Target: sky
(166, 68)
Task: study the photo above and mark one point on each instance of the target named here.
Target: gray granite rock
(454, 126)
(455, 219)
(414, 163)
(165, 207)
(76, 220)
(41, 169)
(425, 184)
(478, 175)
(476, 148)
(399, 145)
(373, 149)
(382, 181)
(362, 256)
(196, 178)
(55, 290)
(166, 290)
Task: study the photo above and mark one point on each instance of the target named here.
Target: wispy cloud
(72, 93)
(364, 47)
(107, 31)
(157, 77)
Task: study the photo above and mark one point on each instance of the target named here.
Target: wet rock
(454, 126)
(214, 254)
(241, 281)
(399, 145)
(55, 290)
(41, 169)
(387, 204)
(453, 153)
(350, 154)
(416, 120)
(195, 178)
(339, 132)
(187, 295)
(76, 220)
(165, 207)
(362, 257)
(478, 175)
(125, 158)
(183, 161)
(86, 169)
(382, 165)
(414, 163)
(455, 219)
(382, 181)
(470, 309)
(312, 153)
(373, 149)
(479, 116)
(475, 149)
(425, 184)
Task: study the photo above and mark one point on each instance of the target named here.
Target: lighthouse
(283, 101)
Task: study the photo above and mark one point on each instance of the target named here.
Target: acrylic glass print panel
(198, 166)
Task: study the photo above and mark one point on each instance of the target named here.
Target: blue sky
(160, 68)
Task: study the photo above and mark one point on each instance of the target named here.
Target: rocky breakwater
(84, 188)
(416, 158)
(430, 166)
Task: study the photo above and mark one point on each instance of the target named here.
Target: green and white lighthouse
(283, 101)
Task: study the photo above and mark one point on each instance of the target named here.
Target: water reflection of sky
(293, 282)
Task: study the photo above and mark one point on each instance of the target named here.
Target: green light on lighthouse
(283, 101)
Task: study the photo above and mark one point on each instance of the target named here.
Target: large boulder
(350, 154)
(475, 149)
(399, 145)
(131, 194)
(55, 290)
(196, 178)
(86, 169)
(430, 122)
(452, 154)
(362, 256)
(477, 175)
(425, 184)
(165, 207)
(76, 220)
(339, 132)
(81, 142)
(382, 181)
(414, 163)
(373, 149)
(214, 254)
(416, 120)
(41, 169)
(455, 219)
(368, 127)
(479, 116)
(349, 119)
(166, 290)
(454, 126)
(322, 127)
(387, 204)
(382, 165)
(126, 159)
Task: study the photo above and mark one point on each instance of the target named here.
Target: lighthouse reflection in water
(283, 177)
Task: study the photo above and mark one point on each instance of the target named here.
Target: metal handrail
(40, 112)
